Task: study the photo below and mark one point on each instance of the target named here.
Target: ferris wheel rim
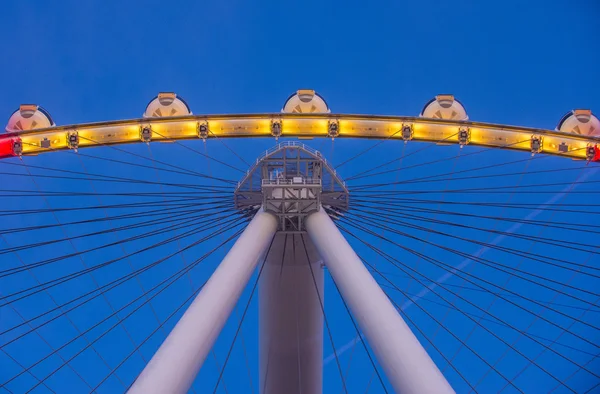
(304, 126)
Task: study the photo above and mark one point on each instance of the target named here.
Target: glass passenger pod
(167, 105)
(580, 121)
(29, 117)
(305, 101)
(444, 106)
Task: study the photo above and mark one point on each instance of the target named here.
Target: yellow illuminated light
(304, 126)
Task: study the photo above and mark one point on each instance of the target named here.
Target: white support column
(406, 364)
(177, 362)
(291, 319)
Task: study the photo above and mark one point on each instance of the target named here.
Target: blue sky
(511, 62)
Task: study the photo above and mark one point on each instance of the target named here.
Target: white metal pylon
(407, 365)
(290, 318)
(175, 365)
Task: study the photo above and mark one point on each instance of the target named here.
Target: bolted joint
(145, 134)
(333, 128)
(202, 130)
(407, 132)
(464, 136)
(73, 140)
(276, 128)
(536, 144)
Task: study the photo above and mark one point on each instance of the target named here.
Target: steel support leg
(290, 318)
(177, 362)
(406, 364)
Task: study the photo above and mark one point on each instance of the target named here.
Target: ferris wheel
(458, 256)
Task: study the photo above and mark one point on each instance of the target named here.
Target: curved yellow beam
(305, 126)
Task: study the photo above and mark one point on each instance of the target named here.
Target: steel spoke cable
(58, 281)
(138, 347)
(189, 172)
(208, 157)
(445, 266)
(541, 230)
(106, 288)
(410, 320)
(379, 142)
(397, 202)
(488, 308)
(101, 176)
(494, 205)
(368, 173)
(182, 225)
(172, 231)
(47, 344)
(438, 262)
(587, 309)
(424, 148)
(490, 239)
(324, 316)
(174, 218)
(198, 187)
(49, 284)
(217, 364)
(32, 375)
(159, 221)
(514, 252)
(544, 240)
(591, 389)
(395, 262)
(50, 193)
(430, 178)
(479, 190)
(360, 337)
(555, 342)
(536, 158)
(483, 318)
(454, 162)
(491, 264)
(361, 341)
(173, 278)
(369, 384)
(155, 212)
(91, 276)
(228, 148)
(555, 224)
(52, 299)
(239, 326)
(501, 175)
(122, 246)
(161, 324)
(535, 319)
(112, 206)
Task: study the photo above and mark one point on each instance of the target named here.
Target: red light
(596, 153)
(6, 146)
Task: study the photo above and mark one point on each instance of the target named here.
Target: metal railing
(294, 182)
(290, 144)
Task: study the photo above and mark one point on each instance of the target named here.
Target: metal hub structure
(291, 181)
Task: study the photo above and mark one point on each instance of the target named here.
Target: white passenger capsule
(444, 106)
(167, 104)
(305, 102)
(29, 117)
(580, 121)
